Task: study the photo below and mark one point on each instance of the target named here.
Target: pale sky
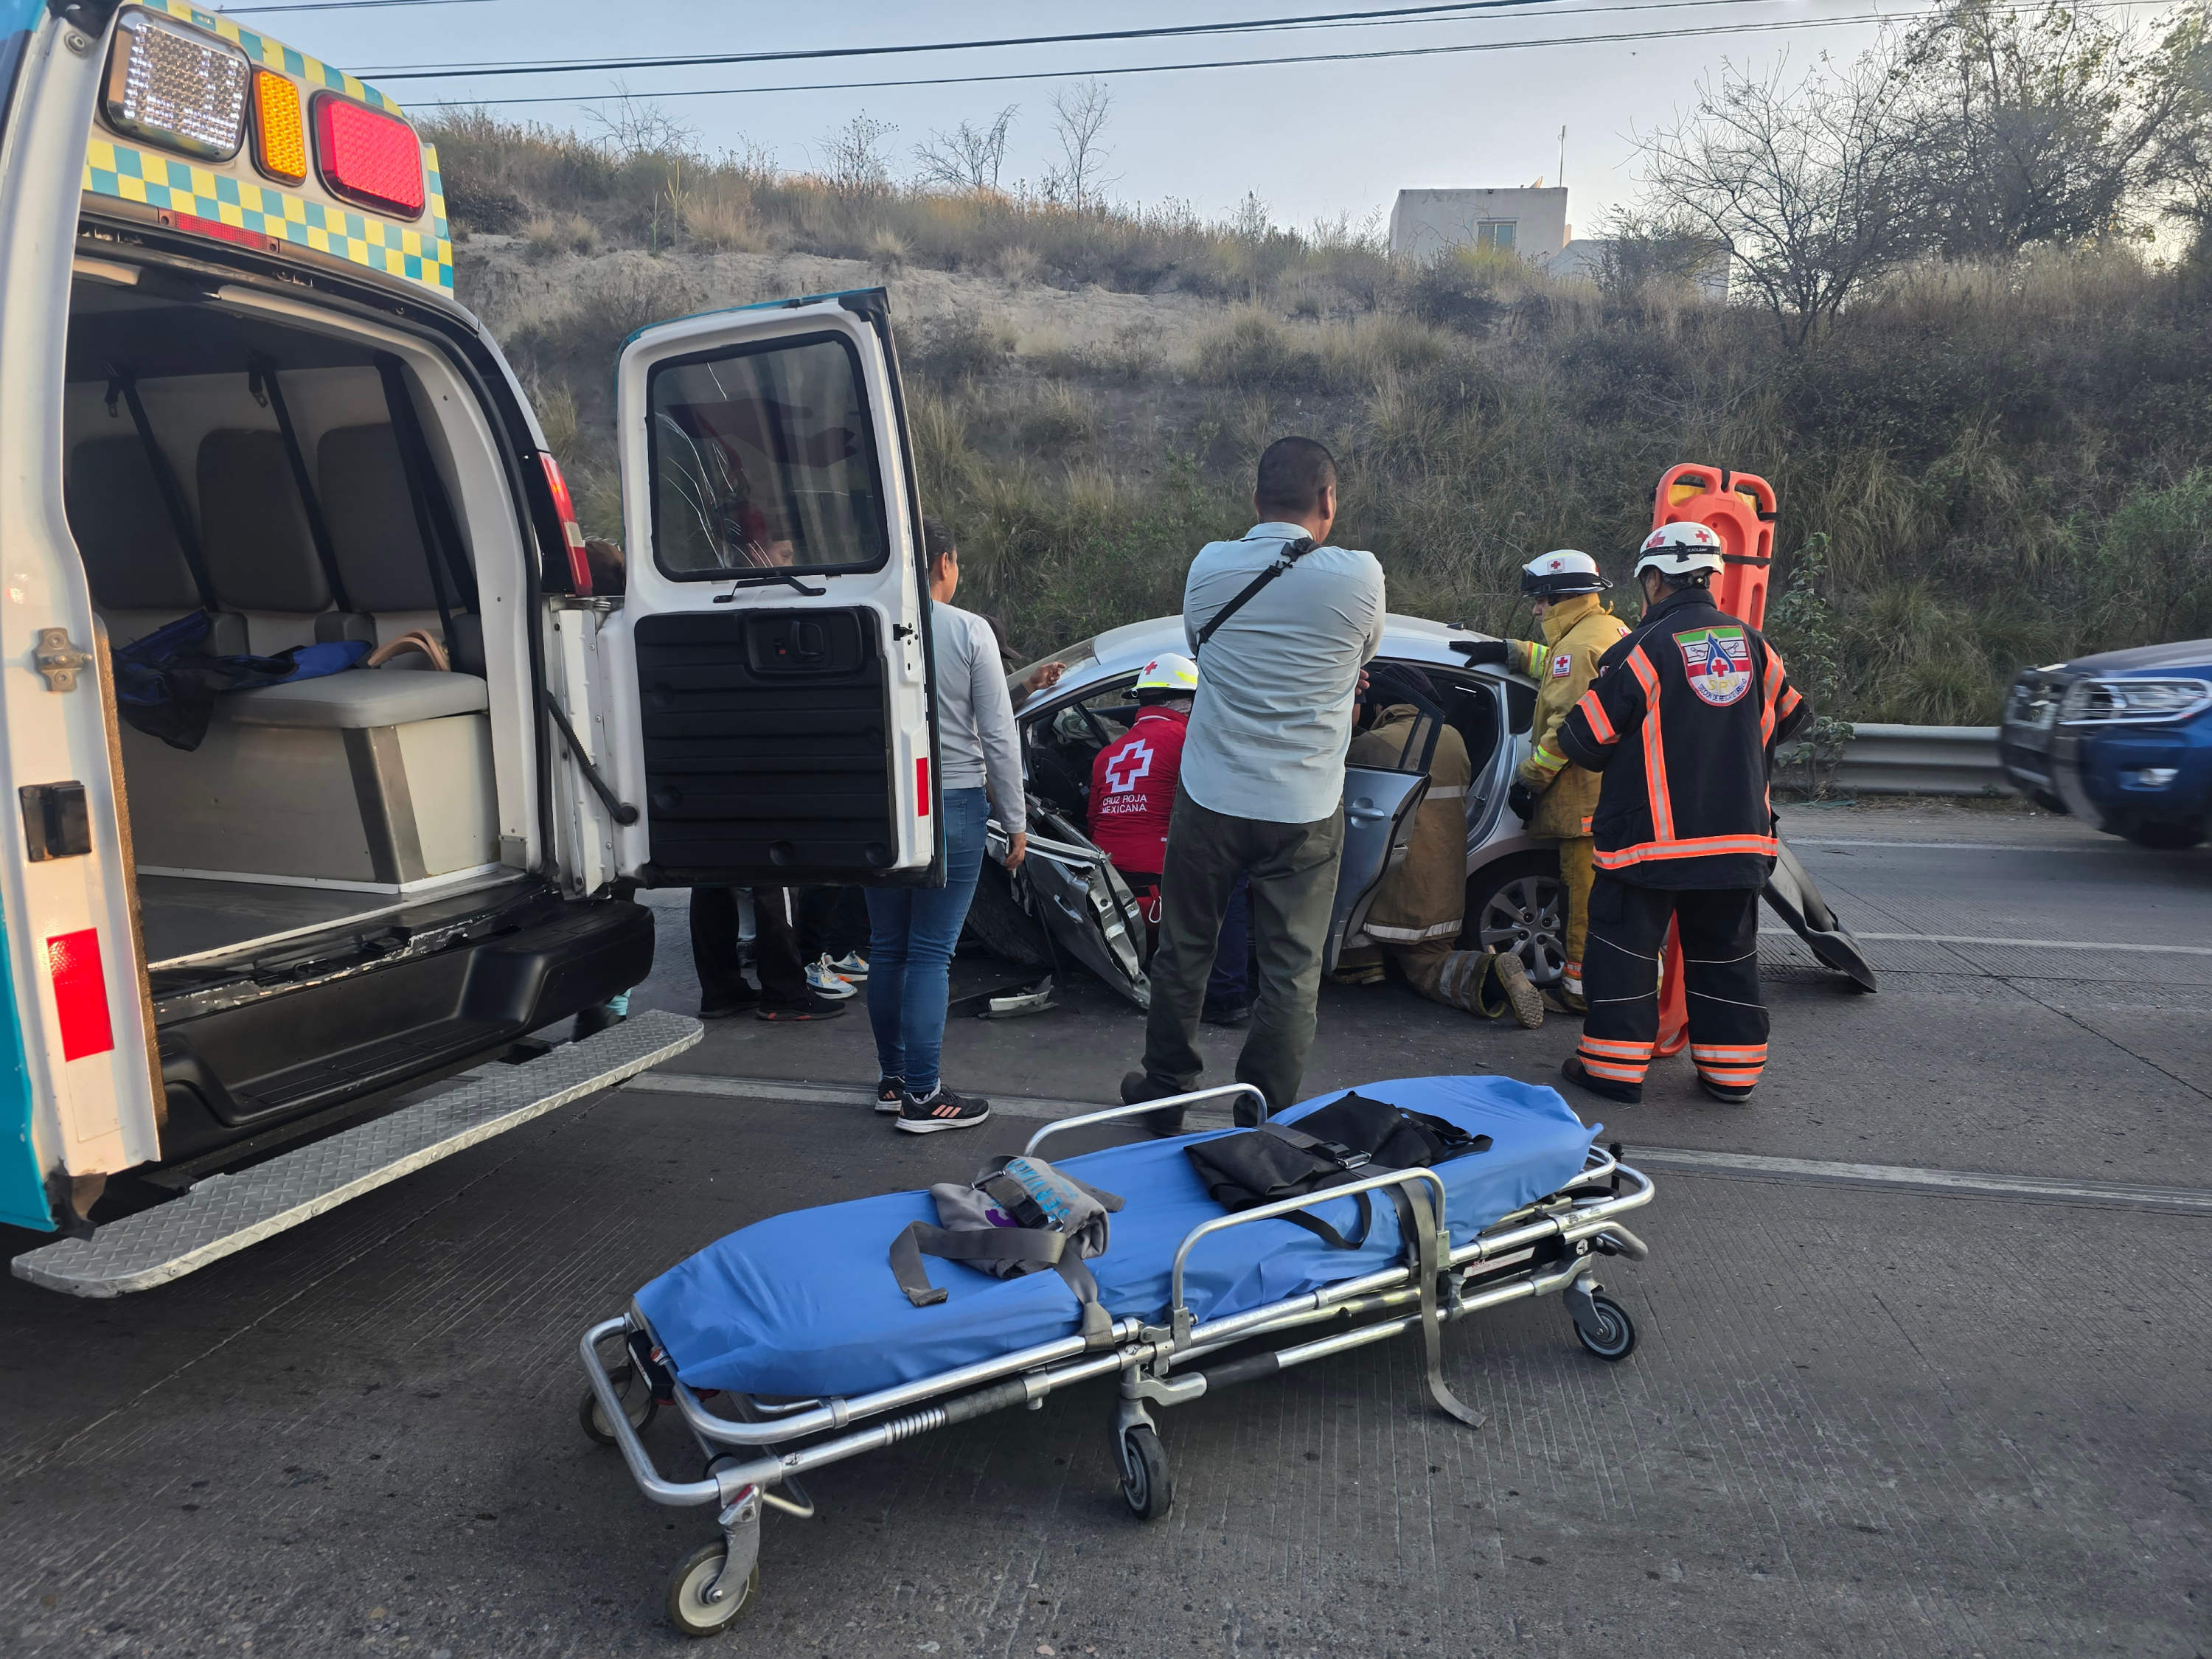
(1313, 140)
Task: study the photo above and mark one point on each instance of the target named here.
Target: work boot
(1357, 973)
(1137, 1087)
(1722, 1092)
(1527, 1003)
(1628, 1094)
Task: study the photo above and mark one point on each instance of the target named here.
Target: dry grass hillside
(1977, 466)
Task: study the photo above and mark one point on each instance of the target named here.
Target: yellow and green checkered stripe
(418, 254)
(275, 54)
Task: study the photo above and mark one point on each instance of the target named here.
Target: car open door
(79, 1091)
(1073, 891)
(765, 682)
(1379, 809)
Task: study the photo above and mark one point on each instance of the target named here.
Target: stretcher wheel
(687, 1605)
(638, 1404)
(1146, 1487)
(1615, 1338)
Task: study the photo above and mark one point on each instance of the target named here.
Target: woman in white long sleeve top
(913, 929)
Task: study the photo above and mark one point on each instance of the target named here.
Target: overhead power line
(1243, 63)
(1248, 25)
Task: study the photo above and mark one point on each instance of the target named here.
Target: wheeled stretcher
(788, 1346)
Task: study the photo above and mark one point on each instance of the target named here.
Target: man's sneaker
(815, 1006)
(1528, 1002)
(890, 1094)
(941, 1108)
(1226, 1013)
(826, 979)
(851, 965)
(724, 1010)
(1628, 1094)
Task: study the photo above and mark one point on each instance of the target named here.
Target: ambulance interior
(323, 801)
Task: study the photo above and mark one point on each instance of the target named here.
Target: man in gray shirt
(1279, 625)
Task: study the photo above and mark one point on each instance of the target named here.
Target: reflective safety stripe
(1773, 692)
(1700, 846)
(1594, 712)
(1614, 1070)
(1445, 792)
(1737, 1052)
(1613, 1049)
(1544, 758)
(1731, 1076)
(1654, 749)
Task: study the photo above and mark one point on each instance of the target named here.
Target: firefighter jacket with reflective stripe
(1682, 720)
(1423, 900)
(1132, 789)
(1578, 631)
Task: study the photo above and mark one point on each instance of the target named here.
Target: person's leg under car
(1720, 979)
(776, 956)
(1478, 982)
(722, 986)
(1621, 980)
(1293, 891)
(1204, 858)
(1576, 873)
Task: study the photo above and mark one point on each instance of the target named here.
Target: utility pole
(1563, 156)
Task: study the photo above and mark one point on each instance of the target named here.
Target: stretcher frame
(1550, 1246)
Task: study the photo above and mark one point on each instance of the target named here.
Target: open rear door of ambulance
(78, 1098)
(767, 677)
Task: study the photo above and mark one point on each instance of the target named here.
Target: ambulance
(376, 803)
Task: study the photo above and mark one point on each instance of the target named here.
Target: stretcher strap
(1038, 1246)
(1419, 1224)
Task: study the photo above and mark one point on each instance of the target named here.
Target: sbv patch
(1718, 662)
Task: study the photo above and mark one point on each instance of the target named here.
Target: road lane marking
(2039, 944)
(1960, 1183)
(1962, 845)
(1954, 1183)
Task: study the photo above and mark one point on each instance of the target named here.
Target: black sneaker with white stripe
(890, 1094)
(940, 1109)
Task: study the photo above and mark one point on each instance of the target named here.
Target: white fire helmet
(1168, 675)
(1561, 572)
(1676, 550)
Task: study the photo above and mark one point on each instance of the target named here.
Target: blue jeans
(912, 931)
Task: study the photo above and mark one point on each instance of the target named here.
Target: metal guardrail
(1912, 760)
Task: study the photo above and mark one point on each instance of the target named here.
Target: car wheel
(1520, 904)
(998, 923)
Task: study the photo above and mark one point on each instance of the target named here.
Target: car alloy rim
(1523, 917)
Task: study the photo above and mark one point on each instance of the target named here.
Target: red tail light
(572, 533)
(368, 156)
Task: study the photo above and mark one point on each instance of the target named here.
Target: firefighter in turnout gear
(1416, 918)
(1683, 723)
(1555, 797)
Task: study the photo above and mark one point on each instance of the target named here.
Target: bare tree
(1645, 256)
(853, 158)
(1807, 186)
(970, 157)
(2181, 164)
(2032, 127)
(1079, 113)
(631, 126)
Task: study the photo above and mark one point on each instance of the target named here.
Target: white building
(1532, 223)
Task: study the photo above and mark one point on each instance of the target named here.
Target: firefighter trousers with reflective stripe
(1719, 967)
(1577, 872)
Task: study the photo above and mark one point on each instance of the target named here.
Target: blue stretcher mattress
(804, 1304)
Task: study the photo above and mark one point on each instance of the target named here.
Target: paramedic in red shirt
(1133, 791)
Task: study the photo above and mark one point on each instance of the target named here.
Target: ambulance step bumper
(224, 1213)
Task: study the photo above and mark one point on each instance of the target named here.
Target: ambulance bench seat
(140, 579)
(379, 776)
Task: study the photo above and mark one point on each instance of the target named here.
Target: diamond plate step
(225, 1213)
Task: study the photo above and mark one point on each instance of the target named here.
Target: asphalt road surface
(1923, 1370)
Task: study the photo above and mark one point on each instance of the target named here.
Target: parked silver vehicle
(1067, 903)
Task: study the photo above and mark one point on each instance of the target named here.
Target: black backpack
(1326, 1149)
